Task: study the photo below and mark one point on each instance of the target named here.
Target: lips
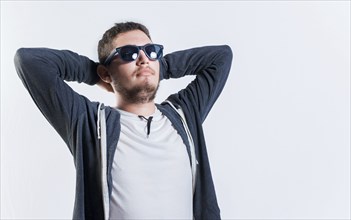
(144, 72)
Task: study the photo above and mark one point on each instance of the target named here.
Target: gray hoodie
(91, 130)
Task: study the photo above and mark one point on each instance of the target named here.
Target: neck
(144, 109)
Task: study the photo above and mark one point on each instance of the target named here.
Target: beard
(139, 94)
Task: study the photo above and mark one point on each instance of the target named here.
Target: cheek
(156, 68)
(122, 72)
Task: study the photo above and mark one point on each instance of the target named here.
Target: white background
(278, 136)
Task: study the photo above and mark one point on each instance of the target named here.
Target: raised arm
(43, 72)
(210, 64)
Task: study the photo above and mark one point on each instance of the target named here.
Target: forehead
(135, 37)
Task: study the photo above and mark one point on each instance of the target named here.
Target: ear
(103, 73)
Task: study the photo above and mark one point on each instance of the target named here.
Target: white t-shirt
(151, 173)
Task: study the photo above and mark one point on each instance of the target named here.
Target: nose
(142, 59)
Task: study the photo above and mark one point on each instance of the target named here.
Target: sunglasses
(130, 53)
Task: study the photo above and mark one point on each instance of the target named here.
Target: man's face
(135, 81)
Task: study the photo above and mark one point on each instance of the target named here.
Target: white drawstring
(191, 142)
(98, 121)
(101, 131)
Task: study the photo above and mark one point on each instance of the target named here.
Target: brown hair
(105, 44)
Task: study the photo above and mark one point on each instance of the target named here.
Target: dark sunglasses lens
(153, 51)
(129, 53)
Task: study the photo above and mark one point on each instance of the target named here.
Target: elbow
(20, 60)
(225, 56)
(27, 56)
(227, 52)
(24, 61)
(21, 55)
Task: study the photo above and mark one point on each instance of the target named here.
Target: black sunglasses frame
(118, 49)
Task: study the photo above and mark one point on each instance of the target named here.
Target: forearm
(46, 64)
(194, 61)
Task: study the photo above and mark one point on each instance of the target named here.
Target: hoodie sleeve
(43, 72)
(210, 64)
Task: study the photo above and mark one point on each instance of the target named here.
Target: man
(138, 160)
